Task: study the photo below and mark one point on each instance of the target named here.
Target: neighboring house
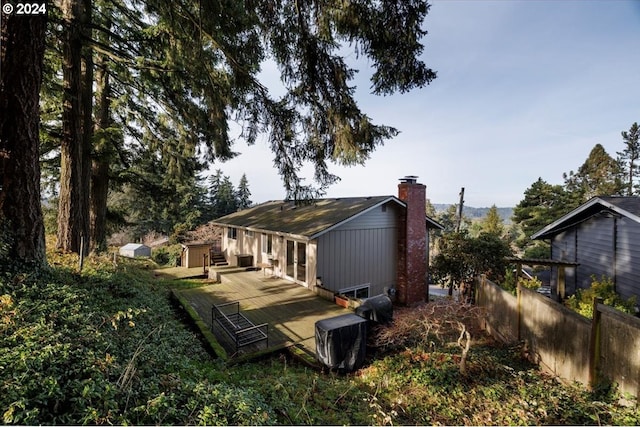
(359, 246)
(135, 250)
(603, 237)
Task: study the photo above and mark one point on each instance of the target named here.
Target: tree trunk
(22, 51)
(87, 121)
(103, 148)
(71, 216)
(101, 158)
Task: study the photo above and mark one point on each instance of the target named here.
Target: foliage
(599, 175)
(492, 223)
(461, 258)
(167, 255)
(107, 347)
(543, 203)
(509, 282)
(582, 300)
(223, 196)
(628, 159)
(538, 250)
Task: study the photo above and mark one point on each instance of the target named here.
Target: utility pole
(460, 210)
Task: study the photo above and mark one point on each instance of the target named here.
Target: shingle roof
(626, 206)
(309, 219)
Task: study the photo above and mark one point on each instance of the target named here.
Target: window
(248, 233)
(361, 291)
(267, 243)
(232, 233)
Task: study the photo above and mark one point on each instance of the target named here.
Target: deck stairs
(218, 259)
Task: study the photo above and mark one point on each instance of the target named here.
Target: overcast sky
(525, 89)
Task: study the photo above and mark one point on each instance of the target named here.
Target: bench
(238, 328)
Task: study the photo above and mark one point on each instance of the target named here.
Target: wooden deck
(291, 310)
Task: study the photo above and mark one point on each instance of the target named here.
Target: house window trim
(266, 247)
(352, 291)
(232, 233)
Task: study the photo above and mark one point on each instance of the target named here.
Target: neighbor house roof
(308, 219)
(626, 206)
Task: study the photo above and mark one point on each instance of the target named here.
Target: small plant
(582, 300)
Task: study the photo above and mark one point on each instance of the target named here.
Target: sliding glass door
(296, 268)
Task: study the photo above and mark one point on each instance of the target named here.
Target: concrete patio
(291, 310)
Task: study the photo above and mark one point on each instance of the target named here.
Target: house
(358, 246)
(603, 237)
(135, 250)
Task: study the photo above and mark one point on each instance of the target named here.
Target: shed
(196, 254)
(135, 250)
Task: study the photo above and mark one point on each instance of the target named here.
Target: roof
(628, 207)
(308, 219)
(133, 246)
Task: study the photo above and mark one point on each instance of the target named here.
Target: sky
(525, 89)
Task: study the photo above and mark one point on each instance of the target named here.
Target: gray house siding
(627, 257)
(591, 244)
(595, 248)
(361, 251)
(563, 248)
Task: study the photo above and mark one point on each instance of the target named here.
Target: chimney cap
(409, 179)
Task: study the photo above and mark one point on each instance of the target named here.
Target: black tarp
(378, 309)
(341, 342)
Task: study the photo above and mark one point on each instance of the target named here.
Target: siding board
(628, 257)
(595, 250)
(361, 251)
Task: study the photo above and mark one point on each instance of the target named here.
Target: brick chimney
(412, 287)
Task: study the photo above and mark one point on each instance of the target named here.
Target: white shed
(135, 250)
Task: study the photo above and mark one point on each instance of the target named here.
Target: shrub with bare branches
(438, 323)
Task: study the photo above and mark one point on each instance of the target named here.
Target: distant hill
(477, 213)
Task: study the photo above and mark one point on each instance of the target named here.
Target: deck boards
(291, 310)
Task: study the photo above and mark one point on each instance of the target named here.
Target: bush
(167, 255)
(582, 300)
(105, 347)
(509, 282)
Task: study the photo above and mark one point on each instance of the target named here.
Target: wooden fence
(606, 348)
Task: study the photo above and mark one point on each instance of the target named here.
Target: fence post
(594, 344)
(519, 309)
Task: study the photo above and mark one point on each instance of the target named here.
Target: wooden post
(519, 308)
(81, 261)
(561, 291)
(594, 344)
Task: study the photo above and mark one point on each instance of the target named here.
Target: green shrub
(167, 255)
(582, 300)
(105, 347)
(509, 282)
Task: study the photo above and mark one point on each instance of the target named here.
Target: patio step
(218, 259)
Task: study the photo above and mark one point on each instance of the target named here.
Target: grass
(109, 347)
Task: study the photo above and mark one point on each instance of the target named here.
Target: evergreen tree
(21, 56)
(243, 194)
(628, 159)
(179, 74)
(543, 203)
(599, 175)
(492, 223)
